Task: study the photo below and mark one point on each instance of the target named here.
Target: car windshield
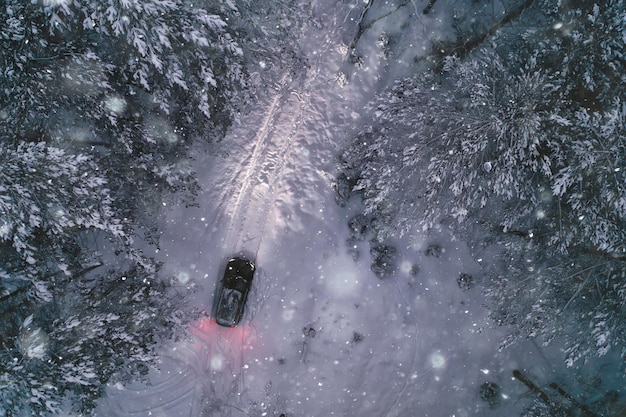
(229, 305)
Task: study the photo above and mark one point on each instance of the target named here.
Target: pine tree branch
(364, 27)
(567, 396)
(15, 293)
(27, 287)
(613, 256)
(609, 256)
(463, 47)
(534, 388)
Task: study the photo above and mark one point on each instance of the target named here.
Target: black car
(232, 291)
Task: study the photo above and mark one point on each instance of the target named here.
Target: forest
(512, 136)
(517, 142)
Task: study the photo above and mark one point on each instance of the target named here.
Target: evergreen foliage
(524, 139)
(132, 83)
(66, 330)
(101, 103)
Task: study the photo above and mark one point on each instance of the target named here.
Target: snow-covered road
(322, 335)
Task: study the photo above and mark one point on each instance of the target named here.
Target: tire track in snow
(260, 171)
(242, 198)
(241, 188)
(199, 368)
(176, 389)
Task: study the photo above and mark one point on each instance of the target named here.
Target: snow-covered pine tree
(524, 139)
(112, 60)
(97, 329)
(47, 198)
(135, 84)
(64, 328)
(132, 83)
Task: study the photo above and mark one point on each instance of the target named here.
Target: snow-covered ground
(322, 335)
